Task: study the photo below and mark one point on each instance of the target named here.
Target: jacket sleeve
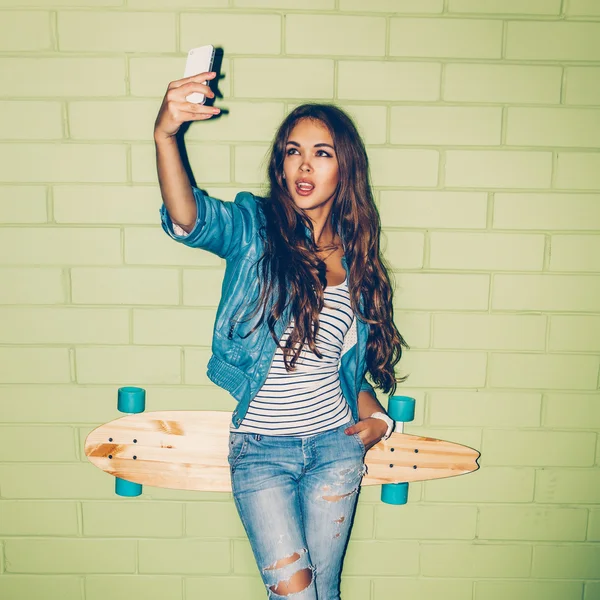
(223, 228)
(365, 386)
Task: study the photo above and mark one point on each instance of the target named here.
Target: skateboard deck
(188, 450)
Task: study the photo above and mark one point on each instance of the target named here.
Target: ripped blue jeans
(296, 498)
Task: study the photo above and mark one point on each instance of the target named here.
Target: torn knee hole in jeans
(297, 582)
(339, 497)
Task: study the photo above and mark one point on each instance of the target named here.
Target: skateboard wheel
(394, 493)
(401, 408)
(131, 400)
(127, 488)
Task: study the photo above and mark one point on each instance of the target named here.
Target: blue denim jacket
(241, 360)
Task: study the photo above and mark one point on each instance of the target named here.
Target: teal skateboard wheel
(394, 493)
(402, 410)
(131, 400)
(126, 488)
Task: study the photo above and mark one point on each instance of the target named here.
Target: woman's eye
(324, 153)
(291, 151)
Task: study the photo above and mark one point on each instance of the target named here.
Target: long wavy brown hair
(290, 269)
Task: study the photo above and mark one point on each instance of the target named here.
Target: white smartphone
(199, 60)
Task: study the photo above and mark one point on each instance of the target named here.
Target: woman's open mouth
(304, 188)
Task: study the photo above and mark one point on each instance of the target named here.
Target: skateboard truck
(401, 409)
(131, 401)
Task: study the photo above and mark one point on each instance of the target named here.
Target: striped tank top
(309, 399)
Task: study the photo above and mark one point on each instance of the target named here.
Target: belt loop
(257, 437)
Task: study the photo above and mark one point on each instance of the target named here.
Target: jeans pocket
(238, 442)
(360, 443)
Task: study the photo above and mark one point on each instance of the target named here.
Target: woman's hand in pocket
(370, 431)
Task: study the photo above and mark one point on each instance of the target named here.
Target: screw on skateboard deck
(188, 450)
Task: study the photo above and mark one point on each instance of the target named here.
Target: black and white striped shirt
(309, 399)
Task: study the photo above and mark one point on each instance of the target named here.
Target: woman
(305, 312)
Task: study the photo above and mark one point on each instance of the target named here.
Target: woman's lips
(304, 189)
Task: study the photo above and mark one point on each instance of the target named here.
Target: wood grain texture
(188, 450)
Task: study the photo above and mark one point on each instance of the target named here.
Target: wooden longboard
(188, 450)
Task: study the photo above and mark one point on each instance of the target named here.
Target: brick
(152, 246)
(37, 444)
(395, 167)
(116, 120)
(195, 363)
(170, 4)
(34, 365)
(583, 8)
(63, 77)
(335, 35)
(116, 31)
(251, 164)
(57, 3)
(593, 533)
(404, 250)
(546, 211)
(506, 7)
(22, 204)
(278, 78)
(143, 519)
(70, 556)
(475, 560)
(492, 484)
(531, 523)
(486, 251)
(567, 486)
(444, 369)
(373, 558)
(489, 332)
(44, 120)
(439, 291)
(128, 365)
(553, 40)
(580, 411)
(245, 122)
(395, 6)
(184, 556)
(426, 522)
(362, 527)
(525, 590)
(484, 409)
(40, 587)
(63, 326)
(125, 587)
(414, 327)
(213, 519)
(25, 31)
(202, 287)
(448, 38)
(249, 588)
(125, 286)
(55, 481)
(566, 561)
(578, 171)
(371, 122)
(107, 205)
(150, 76)
(213, 163)
(545, 292)
(31, 163)
(553, 371)
(31, 286)
(497, 83)
(574, 253)
(179, 327)
(591, 590)
(56, 246)
(231, 31)
(582, 85)
(498, 169)
(308, 4)
(449, 589)
(553, 127)
(38, 518)
(389, 80)
(446, 125)
(539, 448)
(243, 559)
(433, 209)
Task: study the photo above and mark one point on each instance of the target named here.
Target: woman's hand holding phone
(176, 110)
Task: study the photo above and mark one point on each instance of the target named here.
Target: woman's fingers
(188, 111)
(200, 78)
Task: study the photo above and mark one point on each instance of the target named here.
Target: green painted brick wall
(482, 121)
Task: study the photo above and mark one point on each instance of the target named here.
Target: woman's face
(310, 166)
